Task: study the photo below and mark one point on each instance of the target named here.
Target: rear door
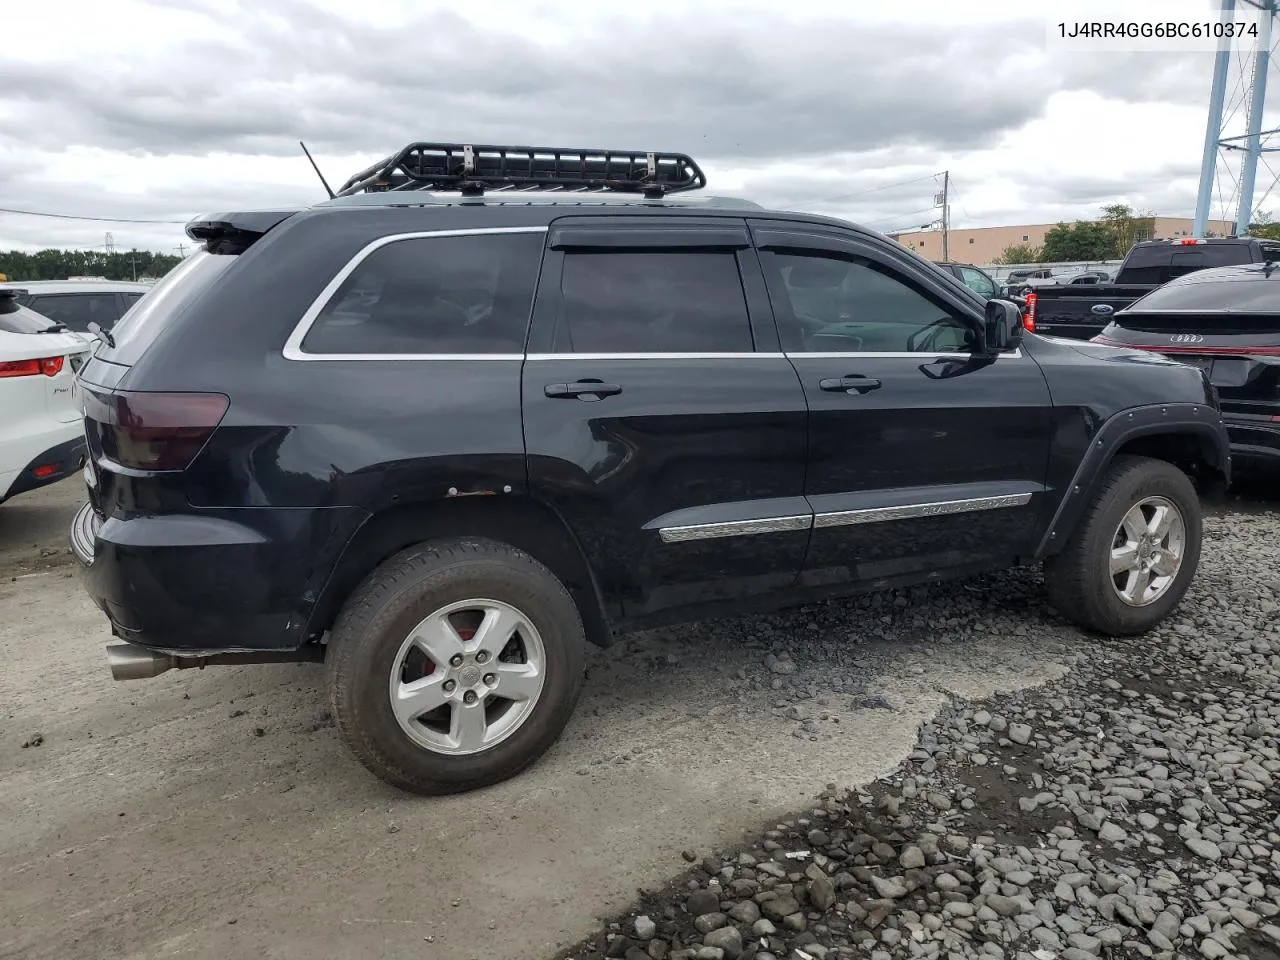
(660, 417)
(922, 457)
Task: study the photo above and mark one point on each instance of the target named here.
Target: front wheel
(455, 665)
(1134, 553)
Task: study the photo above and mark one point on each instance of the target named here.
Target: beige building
(984, 245)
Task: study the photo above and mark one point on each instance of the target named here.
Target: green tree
(60, 264)
(1126, 227)
(1019, 253)
(1082, 240)
(1264, 227)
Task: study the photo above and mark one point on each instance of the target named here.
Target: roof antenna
(325, 182)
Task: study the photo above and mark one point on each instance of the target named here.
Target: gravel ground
(1130, 808)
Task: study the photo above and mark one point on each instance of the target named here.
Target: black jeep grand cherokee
(441, 442)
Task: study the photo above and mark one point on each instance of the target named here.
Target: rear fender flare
(1193, 420)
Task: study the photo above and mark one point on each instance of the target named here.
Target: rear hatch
(39, 361)
(136, 437)
(1240, 352)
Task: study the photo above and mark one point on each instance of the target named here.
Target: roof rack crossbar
(451, 166)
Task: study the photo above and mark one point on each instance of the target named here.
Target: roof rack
(473, 168)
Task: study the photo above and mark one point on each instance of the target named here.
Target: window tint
(652, 302)
(181, 286)
(130, 299)
(1160, 263)
(434, 295)
(1246, 292)
(853, 305)
(78, 310)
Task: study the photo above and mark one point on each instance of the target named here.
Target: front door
(923, 457)
(661, 419)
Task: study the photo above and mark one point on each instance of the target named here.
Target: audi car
(1226, 321)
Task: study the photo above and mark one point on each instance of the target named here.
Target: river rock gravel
(1130, 808)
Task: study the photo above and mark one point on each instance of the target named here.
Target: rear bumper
(210, 581)
(49, 466)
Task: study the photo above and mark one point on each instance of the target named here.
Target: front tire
(455, 665)
(1133, 554)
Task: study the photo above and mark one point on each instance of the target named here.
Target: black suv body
(397, 425)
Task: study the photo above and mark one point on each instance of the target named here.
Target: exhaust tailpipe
(131, 662)
(128, 661)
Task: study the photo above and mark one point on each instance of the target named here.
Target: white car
(41, 420)
(78, 302)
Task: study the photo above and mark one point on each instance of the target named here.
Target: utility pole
(133, 261)
(182, 250)
(943, 200)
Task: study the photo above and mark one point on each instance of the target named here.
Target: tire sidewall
(1173, 485)
(524, 585)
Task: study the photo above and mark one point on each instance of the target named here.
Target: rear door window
(78, 310)
(649, 301)
(978, 282)
(430, 296)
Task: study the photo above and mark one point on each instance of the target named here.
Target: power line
(66, 216)
(886, 186)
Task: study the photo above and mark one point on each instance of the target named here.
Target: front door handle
(850, 385)
(582, 390)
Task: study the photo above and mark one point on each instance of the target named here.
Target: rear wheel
(455, 665)
(1134, 553)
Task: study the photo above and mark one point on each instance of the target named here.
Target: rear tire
(1118, 574)
(455, 665)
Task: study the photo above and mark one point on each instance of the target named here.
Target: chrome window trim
(913, 511)
(293, 346)
(840, 518)
(941, 355)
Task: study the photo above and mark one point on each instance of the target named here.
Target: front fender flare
(1199, 420)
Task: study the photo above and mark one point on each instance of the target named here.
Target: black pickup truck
(1082, 311)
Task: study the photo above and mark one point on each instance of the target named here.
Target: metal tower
(1251, 93)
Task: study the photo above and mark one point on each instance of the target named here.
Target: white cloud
(162, 110)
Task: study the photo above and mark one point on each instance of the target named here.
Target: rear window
(433, 296)
(18, 319)
(1160, 264)
(143, 322)
(1256, 294)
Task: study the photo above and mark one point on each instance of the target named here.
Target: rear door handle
(853, 384)
(582, 390)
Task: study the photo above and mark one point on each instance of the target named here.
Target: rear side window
(652, 302)
(78, 310)
(433, 296)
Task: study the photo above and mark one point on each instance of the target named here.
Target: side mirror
(1003, 325)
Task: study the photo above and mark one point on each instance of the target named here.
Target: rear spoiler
(231, 233)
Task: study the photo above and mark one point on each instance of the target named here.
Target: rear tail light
(1029, 314)
(49, 366)
(155, 431)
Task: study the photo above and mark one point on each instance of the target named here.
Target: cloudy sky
(162, 109)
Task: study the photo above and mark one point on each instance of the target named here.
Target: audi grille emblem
(1186, 338)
